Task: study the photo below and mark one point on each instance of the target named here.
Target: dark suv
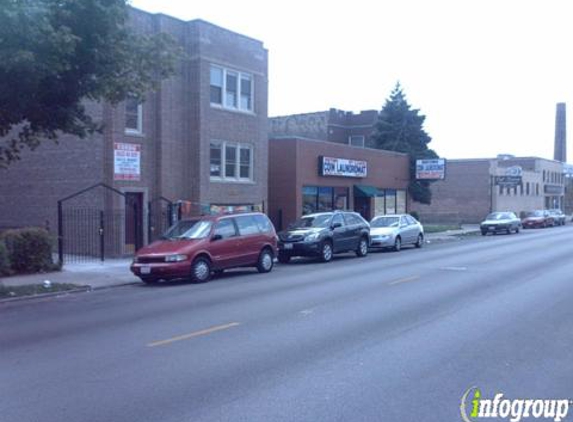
(324, 234)
(197, 247)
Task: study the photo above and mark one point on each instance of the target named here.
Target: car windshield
(188, 229)
(498, 216)
(535, 214)
(318, 221)
(385, 222)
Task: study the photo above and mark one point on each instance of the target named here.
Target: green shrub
(4, 260)
(29, 250)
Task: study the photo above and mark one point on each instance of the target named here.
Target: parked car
(324, 234)
(500, 222)
(538, 218)
(197, 247)
(558, 217)
(396, 230)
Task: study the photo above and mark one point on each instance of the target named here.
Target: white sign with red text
(126, 161)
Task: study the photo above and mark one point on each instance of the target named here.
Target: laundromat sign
(329, 166)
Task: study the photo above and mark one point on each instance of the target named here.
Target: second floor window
(231, 89)
(231, 161)
(133, 116)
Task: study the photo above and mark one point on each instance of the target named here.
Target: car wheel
(483, 232)
(509, 231)
(420, 242)
(326, 251)
(362, 247)
(201, 270)
(516, 230)
(398, 244)
(284, 258)
(266, 261)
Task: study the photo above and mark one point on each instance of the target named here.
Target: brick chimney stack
(560, 134)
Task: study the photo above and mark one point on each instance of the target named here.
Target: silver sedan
(394, 231)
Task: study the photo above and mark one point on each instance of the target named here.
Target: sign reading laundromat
(329, 166)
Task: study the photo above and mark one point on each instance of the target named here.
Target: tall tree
(400, 128)
(55, 54)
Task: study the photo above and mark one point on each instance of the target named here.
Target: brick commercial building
(474, 187)
(201, 139)
(342, 127)
(308, 175)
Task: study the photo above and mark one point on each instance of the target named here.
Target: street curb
(83, 289)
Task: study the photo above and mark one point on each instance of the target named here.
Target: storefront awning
(366, 191)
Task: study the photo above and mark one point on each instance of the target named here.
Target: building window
(537, 189)
(527, 189)
(500, 190)
(216, 85)
(216, 159)
(231, 161)
(356, 141)
(231, 89)
(246, 92)
(133, 116)
(315, 198)
(245, 161)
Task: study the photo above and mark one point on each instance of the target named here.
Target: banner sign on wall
(329, 166)
(433, 169)
(126, 161)
(508, 181)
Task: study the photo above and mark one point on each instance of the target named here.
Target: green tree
(400, 128)
(57, 54)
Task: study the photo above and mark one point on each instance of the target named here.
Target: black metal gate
(90, 233)
(161, 214)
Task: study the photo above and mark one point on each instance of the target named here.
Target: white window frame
(236, 177)
(357, 136)
(139, 129)
(240, 76)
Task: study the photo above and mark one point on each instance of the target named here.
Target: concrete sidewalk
(467, 229)
(109, 273)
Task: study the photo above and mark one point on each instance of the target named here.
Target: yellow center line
(404, 280)
(194, 334)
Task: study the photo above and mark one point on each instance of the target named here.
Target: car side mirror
(336, 225)
(216, 237)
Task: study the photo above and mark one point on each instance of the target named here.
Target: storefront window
(325, 202)
(401, 202)
(341, 198)
(309, 194)
(317, 199)
(390, 201)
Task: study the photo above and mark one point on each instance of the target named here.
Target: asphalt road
(390, 337)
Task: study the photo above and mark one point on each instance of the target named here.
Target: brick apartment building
(469, 191)
(201, 139)
(342, 127)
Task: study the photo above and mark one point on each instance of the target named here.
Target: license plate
(492, 228)
(145, 269)
(288, 245)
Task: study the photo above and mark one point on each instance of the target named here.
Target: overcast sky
(487, 73)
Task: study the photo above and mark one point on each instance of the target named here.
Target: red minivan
(196, 247)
